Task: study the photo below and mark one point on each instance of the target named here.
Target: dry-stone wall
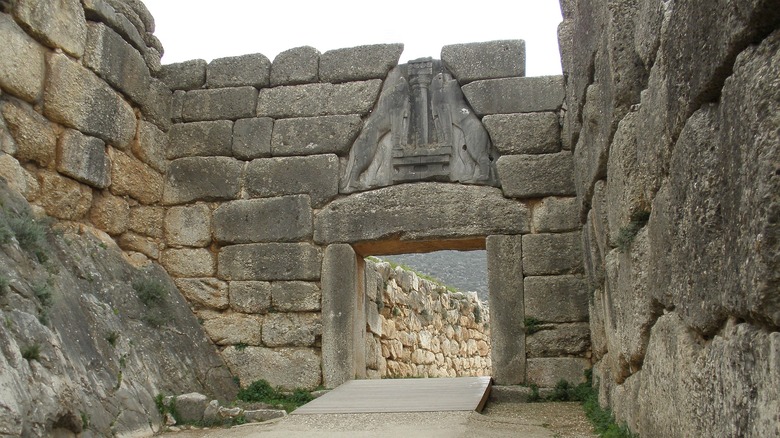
(672, 113)
(418, 328)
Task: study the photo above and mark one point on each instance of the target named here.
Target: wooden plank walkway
(402, 395)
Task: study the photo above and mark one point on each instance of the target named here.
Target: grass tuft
(532, 325)
(627, 234)
(261, 391)
(31, 352)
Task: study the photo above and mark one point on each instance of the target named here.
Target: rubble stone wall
(672, 114)
(419, 328)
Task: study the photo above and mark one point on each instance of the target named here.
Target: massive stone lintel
(421, 130)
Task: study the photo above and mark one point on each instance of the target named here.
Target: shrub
(150, 292)
(31, 352)
(29, 232)
(4, 282)
(112, 338)
(261, 391)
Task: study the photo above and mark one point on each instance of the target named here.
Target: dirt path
(499, 420)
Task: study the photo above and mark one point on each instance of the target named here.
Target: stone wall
(419, 328)
(672, 114)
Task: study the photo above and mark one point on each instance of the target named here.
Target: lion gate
(278, 187)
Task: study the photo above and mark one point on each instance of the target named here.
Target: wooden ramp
(402, 395)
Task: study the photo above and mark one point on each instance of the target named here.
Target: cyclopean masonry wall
(270, 206)
(418, 328)
(672, 114)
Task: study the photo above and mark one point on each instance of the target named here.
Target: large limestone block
(188, 262)
(340, 304)
(219, 104)
(552, 254)
(252, 138)
(532, 176)
(288, 368)
(452, 211)
(17, 177)
(147, 220)
(77, 98)
(130, 176)
(59, 24)
(146, 246)
(117, 62)
(208, 293)
(560, 298)
(316, 176)
(359, 63)
(515, 95)
(237, 71)
(553, 215)
(84, 159)
(283, 219)
(151, 145)
(547, 371)
(119, 17)
(313, 100)
(505, 280)
(291, 329)
(250, 296)
(188, 225)
(110, 213)
(559, 340)
(533, 133)
(202, 178)
(591, 151)
(22, 61)
(625, 185)
(270, 261)
(315, 135)
(295, 296)
(233, 328)
(33, 135)
(187, 75)
(157, 104)
(62, 197)
(299, 65)
(486, 60)
(200, 139)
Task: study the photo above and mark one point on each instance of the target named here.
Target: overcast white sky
(208, 29)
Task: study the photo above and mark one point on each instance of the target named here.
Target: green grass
(4, 283)
(628, 233)
(261, 391)
(532, 325)
(112, 338)
(31, 352)
(152, 294)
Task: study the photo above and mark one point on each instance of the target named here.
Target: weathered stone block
(151, 146)
(315, 135)
(547, 371)
(147, 220)
(147, 246)
(62, 197)
(17, 177)
(188, 226)
(190, 407)
(130, 176)
(84, 159)
(177, 105)
(237, 71)
(58, 24)
(505, 280)
(299, 65)
(291, 329)
(33, 135)
(250, 296)
(455, 212)
(22, 61)
(202, 178)
(233, 328)
(533, 133)
(77, 98)
(270, 261)
(252, 138)
(283, 176)
(187, 75)
(283, 219)
(553, 215)
(486, 60)
(187, 262)
(117, 62)
(295, 296)
(341, 304)
(515, 95)
(313, 100)
(110, 213)
(533, 176)
(208, 293)
(157, 104)
(200, 139)
(119, 16)
(559, 340)
(552, 254)
(561, 298)
(359, 63)
(288, 368)
(219, 104)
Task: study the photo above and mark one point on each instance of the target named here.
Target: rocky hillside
(463, 270)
